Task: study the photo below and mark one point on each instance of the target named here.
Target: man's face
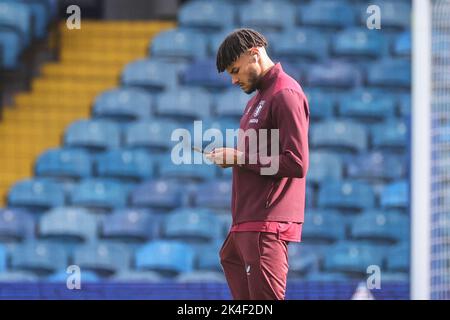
(245, 72)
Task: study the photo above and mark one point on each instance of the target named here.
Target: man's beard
(252, 82)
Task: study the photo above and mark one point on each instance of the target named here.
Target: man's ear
(254, 52)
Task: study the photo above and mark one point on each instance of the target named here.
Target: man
(267, 209)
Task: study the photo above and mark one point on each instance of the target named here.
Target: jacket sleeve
(290, 115)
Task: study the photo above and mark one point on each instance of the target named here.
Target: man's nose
(234, 81)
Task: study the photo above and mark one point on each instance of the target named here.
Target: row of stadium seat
(158, 74)
(300, 43)
(190, 224)
(125, 104)
(276, 15)
(138, 165)
(333, 133)
(21, 23)
(166, 194)
(169, 258)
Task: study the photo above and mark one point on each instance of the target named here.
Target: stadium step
(91, 60)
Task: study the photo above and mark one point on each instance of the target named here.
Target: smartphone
(199, 150)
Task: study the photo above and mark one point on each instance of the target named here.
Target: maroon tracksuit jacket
(279, 104)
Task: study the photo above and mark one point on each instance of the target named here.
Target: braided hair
(237, 43)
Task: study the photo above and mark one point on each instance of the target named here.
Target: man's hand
(226, 157)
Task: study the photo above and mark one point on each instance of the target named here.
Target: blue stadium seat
(225, 219)
(17, 277)
(201, 277)
(346, 195)
(39, 257)
(36, 193)
(207, 256)
(62, 277)
(352, 257)
(321, 106)
(151, 135)
(398, 258)
(323, 226)
(64, 163)
(231, 103)
(125, 164)
(339, 134)
(324, 166)
(327, 278)
(16, 18)
(225, 173)
(93, 134)
(15, 225)
(152, 75)
(294, 69)
(214, 194)
(303, 259)
(216, 39)
(67, 224)
(67, 185)
(123, 105)
(203, 73)
(394, 14)
(192, 225)
(206, 15)
(40, 16)
(11, 47)
(157, 194)
(184, 104)
(402, 45)
(333, 74)
(99, 193)
(300, 44)
(390, 73)
(53, 7)
(237, 2)
(131, 225)
(395, 195)
(367, 105)
(179, 44)
(393, 277)
(381, 226)
(310, 196)
(188, 171)
(169, 258)
(2, 258)
(105, 259)
(376, 166)
(327, 14)
(357, 42)
(267, 15)
(391, 134)
(405, 105)
(131, 276)
(211, 133)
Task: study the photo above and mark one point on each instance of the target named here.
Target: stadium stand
(143, 218)
(90, 62)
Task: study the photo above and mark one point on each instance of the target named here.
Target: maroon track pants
(255, 265)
